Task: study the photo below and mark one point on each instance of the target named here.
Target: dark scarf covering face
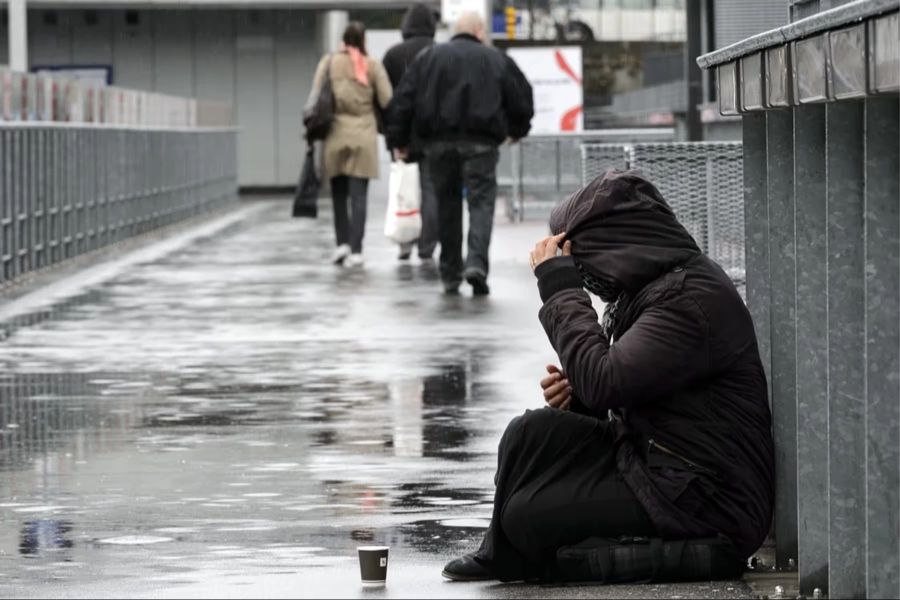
(624, 235)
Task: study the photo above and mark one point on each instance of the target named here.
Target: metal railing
(541, 170)
(821, 131)
(701, 181)
(83, 167)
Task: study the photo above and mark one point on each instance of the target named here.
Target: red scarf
(360, 64)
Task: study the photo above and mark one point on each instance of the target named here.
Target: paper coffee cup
(373, 562)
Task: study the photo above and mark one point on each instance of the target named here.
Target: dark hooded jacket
(461, 90)
(681, 377)
(418, 29)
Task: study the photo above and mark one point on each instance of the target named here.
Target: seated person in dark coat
(658, 422)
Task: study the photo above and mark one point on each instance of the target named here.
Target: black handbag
(318, 115)
(633, 560)
(306, 198)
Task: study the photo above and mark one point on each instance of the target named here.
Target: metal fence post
(812, 348)
(783, 368)
(711, 202)
(846, 347)
(882, 305)
(6, 208)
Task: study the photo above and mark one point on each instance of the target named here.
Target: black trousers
(349, 228)
(557, 485)
(452, 166)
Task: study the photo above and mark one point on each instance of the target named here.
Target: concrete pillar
(331, 29)
(18, 35)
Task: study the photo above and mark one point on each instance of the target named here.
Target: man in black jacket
(658, 422)
(418, 33)
(462, 99)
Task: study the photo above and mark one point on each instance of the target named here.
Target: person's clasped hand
(548, 248)
(557, 390)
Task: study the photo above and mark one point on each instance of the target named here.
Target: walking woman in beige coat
(361, 87)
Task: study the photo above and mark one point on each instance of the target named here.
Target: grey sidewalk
(234, 416)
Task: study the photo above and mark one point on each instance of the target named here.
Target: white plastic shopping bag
(403, 222)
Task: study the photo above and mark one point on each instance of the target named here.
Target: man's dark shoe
(478, 281)
(466, 568)
(451, 289)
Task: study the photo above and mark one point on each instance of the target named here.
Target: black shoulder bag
(306, 198)
(319, 113)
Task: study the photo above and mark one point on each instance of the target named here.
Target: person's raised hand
(557, 390)
(548, 248)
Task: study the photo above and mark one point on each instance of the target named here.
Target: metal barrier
(702, 181)
(37, 428)
(821, 130)
(77, 174)
(544, 169)
(69, 190)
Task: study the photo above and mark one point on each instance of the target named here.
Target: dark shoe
(451, 289)
(428, 271)
(478, 281)
(405, 251)
(466, 568)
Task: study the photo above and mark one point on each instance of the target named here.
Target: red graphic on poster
(569, 121)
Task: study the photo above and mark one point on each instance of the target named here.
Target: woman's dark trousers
(349, 228)
(557, 485)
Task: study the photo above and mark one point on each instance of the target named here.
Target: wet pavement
(231, 415)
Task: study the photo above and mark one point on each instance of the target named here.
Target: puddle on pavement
(217, 405)
(162, 461)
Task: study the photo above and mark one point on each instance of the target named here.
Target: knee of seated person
(530, 420)
(539, 419)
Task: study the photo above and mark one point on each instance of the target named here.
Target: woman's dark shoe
(466, 568)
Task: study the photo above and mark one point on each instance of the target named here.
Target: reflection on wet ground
(235, 418)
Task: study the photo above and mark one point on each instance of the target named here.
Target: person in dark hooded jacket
(418, 29)
(658, 422)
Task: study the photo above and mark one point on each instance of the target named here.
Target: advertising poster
(555, 77)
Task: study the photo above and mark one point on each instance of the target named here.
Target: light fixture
(778, 77)
(848, 62)
(884, 54)
(726, 76)
(810, 61)
(751, 76)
